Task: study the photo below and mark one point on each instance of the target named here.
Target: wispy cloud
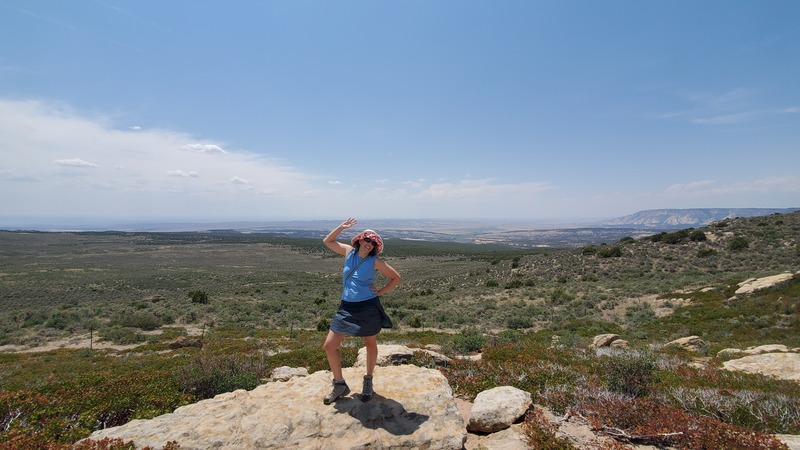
(736, 106)
(711, 189)
(478, 190)
(74, 162)
(691, 186)
(123, 168)
(725, 119)
(181, 173)
(204, 148)
(240, 181)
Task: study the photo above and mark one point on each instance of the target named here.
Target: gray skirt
(360, 318)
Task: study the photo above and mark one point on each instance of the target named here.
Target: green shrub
(738, 243)
(143, 320)
(415, 322)
(514, 284)
(121, 335)
(697, 236)
(323, 324)
(210, 375)
(519, 321)
(629, 372)
(706, 252)
(609, 251)
(198, 297)
(469, 340)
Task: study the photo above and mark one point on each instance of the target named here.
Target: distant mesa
(685, 218)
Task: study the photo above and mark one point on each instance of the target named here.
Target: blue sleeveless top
(355, 287)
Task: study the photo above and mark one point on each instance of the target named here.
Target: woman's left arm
(389, 272)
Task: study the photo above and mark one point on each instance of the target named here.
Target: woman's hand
(331, 242)
(348, 223)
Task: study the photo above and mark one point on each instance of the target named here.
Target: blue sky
(275, 110)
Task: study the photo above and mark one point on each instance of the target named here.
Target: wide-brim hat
(375, 237)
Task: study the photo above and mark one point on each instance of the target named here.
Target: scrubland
(260, 302)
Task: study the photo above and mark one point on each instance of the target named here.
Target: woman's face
(367, 244)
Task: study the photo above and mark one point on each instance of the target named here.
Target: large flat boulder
(756, 284)
(413, 407)
(780, 365)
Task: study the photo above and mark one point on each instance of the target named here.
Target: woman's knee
(371, 344)
(332, 343)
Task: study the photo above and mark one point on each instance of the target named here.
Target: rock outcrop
(690, 343)
(785, 366)
(609, 340)
(755, 284)
(498, 408)
(394, 354)
(412, 407)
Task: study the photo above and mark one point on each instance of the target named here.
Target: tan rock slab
(785, 366)
(413, 407)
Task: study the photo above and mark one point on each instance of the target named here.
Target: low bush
(469, 340)
(541, 434)
(210, 375)
(629, 372)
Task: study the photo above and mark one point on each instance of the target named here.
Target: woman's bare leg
(371, 343)
(331, 347)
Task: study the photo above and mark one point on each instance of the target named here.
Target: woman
(360, 313)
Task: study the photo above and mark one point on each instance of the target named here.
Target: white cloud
(725, 119)
(415, 183)
(133, 173)
(691, 186)
(75, 162)
(711, 190)
(240, 180)
(181, 173)
(480, 190)
(78, 166)
(204, 148)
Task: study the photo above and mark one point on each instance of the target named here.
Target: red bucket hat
(373, 236)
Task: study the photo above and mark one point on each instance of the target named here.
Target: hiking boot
(366, 389)
(340, 389)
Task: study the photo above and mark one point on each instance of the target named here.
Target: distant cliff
(684, 218)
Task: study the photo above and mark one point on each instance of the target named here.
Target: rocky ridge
(413, 408)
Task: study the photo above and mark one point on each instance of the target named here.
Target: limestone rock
(285, 373)
(791, 440)
(781, 365)
(620, 343)
(497, 408)
(730, 352)
(755, 284)
(392, 354)
(690, 343)
(438, 358)
(771, 348)
(511, 438)
(388, 354)
(604, 340)
(412, 407)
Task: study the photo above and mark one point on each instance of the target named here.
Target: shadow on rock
(382, 412)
